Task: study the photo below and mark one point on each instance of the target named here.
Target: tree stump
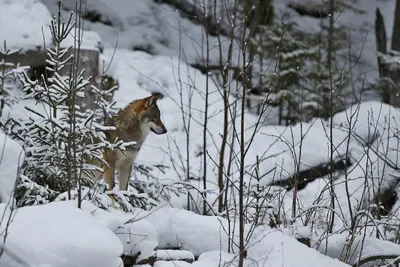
(88, 61)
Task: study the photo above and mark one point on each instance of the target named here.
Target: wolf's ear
(153, 99)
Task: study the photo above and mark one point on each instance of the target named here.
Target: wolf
(132, 123)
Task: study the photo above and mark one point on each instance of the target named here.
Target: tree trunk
(395, 74)
(257, 12)
(89, 61)
(396, 28)
(381, 39)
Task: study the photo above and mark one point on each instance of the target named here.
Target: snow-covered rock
(21, 23)
(11, 158)
(58, 235)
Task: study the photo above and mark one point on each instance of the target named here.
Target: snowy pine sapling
(327, 84)
(285, 43)
(303, 84)
(60, 141)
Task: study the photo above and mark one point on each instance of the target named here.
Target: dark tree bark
(257, 12)
(396, 28)
(389, 91)
(381, 39)
(395, 74)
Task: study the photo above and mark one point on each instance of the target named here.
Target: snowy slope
(161, 29)
(148, 26)
(25, 32)
(362, 30)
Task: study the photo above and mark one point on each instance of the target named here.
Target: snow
(11, 159)
(89, 40)
(105, 218)
(206, 235)
(162, 30)
(361, 248)
(25, 32)
(59, 235)
(148, 26)
(362, 29)
(184, 229)
(274, 248)
(278, 147)
(94, 237)
(171, 264)
(168, 254)
(139, 236)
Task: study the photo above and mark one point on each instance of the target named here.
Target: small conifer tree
(61, 142)
(290, 48)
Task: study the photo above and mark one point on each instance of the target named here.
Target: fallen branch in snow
(207, 68)
(309, 175)
(379, 257)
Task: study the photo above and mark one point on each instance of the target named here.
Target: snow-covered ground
(61, 235)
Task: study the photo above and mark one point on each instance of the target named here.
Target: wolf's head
(150, 115)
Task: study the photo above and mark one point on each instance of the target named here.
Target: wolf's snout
(160, 131)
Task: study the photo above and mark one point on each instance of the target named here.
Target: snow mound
(187, 230)
(25, 32)
(139, 236)
(11, 158)
(105, 218)
(59, 235)
(274, 248)
(368, 120)
(361, 248)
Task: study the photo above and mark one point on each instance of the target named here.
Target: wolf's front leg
(124, 175)
(109, 174)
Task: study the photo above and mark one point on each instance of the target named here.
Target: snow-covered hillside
(148, 47)
(163, 30)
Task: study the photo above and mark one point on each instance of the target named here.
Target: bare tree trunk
(257, 12)
(396, 28)
(395, 92)
(381, 39)
(381, 47)
(331, 111)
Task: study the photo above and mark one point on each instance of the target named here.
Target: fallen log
(304, 177)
